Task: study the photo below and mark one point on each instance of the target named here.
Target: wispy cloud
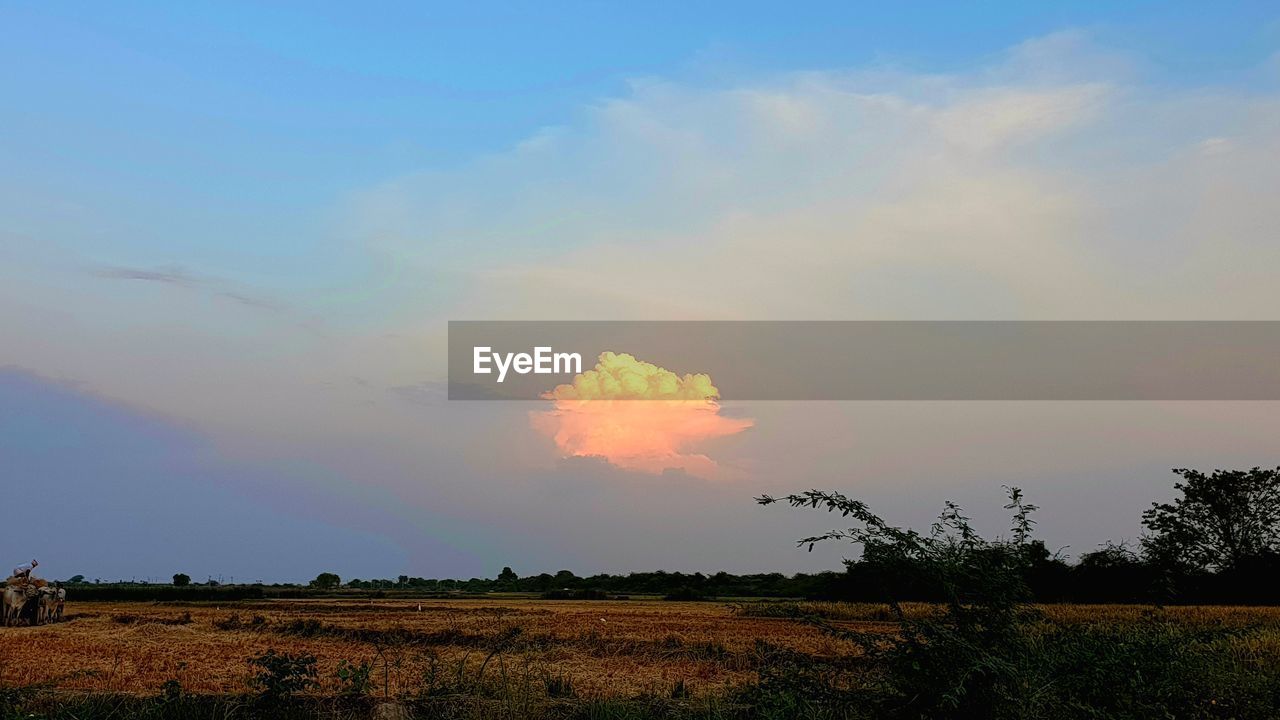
(1052, 184)
(169, 275)
(178, 276)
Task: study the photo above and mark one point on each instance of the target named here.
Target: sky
(231, 237)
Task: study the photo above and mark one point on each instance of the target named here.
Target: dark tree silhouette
(326, 581)
(1221, 520)
(181, 580)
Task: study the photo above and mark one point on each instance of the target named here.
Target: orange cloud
(638, 416)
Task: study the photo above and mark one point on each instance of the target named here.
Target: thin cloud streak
(177, 276)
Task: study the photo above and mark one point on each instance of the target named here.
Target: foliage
(171, 690)
(685, 593)
(1220, 521)
(280, 675)
(355, 679)
(963, 660)
(326, 581)
(583, 594)
(987, 653)
(181, 580)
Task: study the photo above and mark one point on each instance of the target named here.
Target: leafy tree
(326, 581)
(1221, 520)
(507, 575)
(181, 580)
(75, 579)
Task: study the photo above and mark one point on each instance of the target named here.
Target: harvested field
(599, 648)
(520, 653)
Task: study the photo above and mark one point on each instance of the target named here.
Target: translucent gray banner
(802, 360)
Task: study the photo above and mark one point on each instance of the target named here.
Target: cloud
(423, 393)
(171, 275)
(253, 301)
(180, 277)
(1052, 184)
(620, 376)
(638, 416)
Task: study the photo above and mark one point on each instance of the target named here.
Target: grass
(609, 650)
(527, 658)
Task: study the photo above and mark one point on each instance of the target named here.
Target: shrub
(987, 653)
(279, 675)
(585, 594)
(685, 593)
(355, 679)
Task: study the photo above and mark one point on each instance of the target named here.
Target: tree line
(1218, 541)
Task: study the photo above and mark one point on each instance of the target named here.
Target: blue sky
(235, 125)
(249, 225)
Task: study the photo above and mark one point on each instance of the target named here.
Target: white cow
(46, 605)
(15, 599)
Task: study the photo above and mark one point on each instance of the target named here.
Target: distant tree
(181, 580)
(1220, 521)
(76, 579)
(326, 581)
(508, 575)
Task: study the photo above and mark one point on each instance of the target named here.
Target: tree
(76, 579)
(507, 575)
(326, 581)
(181, 580)
(1220, 521)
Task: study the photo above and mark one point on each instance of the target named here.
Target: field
(620, 648)
(616, 649)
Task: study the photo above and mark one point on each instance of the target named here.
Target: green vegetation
(988, 653)
(326, 581)
(278, 676)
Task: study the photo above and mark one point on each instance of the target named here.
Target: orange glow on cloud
(638, 416)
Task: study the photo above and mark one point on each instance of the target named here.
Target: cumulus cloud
(620, 376)
(638, 416)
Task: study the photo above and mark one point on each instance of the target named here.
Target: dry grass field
(598, 648)
(587, 649)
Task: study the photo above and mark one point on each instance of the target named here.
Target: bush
(585, 594)
(987, 653)
(280, 675)
(685, 593)
(355, 679)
